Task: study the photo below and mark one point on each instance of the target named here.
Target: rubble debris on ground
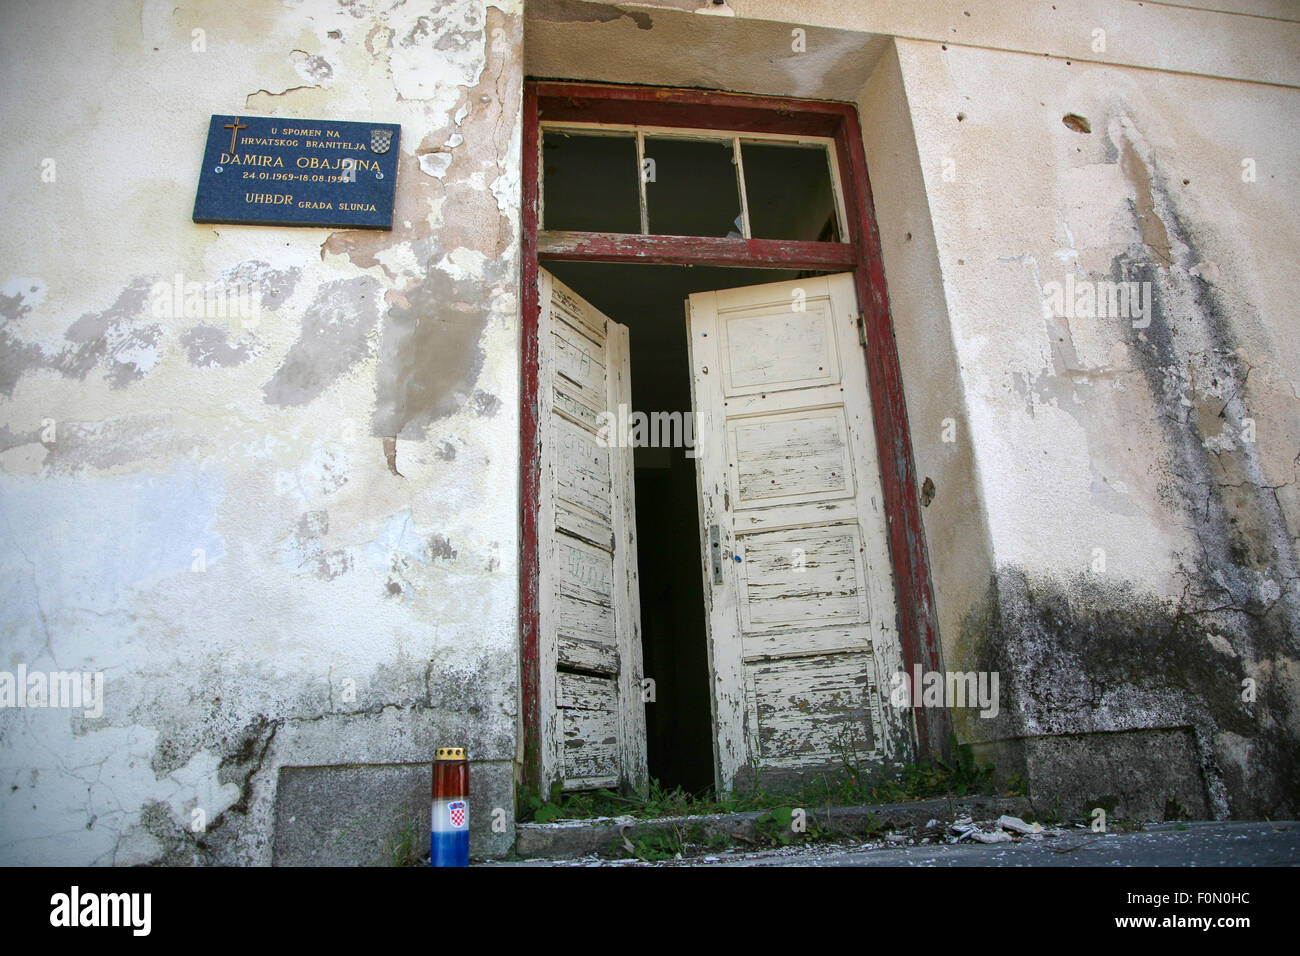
(1005, 829)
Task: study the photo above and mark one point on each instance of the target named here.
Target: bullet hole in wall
(1076, 122)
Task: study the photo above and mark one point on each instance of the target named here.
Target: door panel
(593, 718)
(805, 708)
(800, 606)
(801, 578)
(762, 351)
(589, 727)
(789, 458)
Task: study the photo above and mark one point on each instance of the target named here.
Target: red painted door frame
(651, 106)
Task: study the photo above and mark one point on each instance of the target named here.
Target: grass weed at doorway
(848, 785)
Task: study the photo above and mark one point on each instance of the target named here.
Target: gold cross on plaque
(234, 128)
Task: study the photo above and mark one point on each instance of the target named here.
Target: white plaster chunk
(435, 164)
(463, 263)
(1218, 444)
(1017, 825)
(505, 303)
(400, 259)
(505, 188)
(1220, 644)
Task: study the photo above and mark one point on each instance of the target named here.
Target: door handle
(715, 553)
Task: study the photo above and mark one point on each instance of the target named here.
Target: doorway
(653, 197)
(649, 300)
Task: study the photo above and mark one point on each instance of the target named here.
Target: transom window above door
(656, 181)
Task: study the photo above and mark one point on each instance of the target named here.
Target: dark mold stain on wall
(1092, 655)
(1088, 656)
(440, 547)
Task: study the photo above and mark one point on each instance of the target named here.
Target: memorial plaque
(273, 171)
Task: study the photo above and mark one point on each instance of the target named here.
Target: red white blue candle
(449, 845)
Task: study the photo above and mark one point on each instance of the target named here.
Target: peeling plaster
(112, 339)
(208, 346)
(332, 339)
(312, 67)
(430, 355)
(322, 566)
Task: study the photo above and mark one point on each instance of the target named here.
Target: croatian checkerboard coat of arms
(380, 140)
(457, 811)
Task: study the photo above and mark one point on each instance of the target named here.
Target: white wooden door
(589, 655)
(799, 591)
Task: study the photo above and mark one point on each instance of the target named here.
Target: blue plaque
(273, 171)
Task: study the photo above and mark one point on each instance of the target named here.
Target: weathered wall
(1137, 472)
(240, 523)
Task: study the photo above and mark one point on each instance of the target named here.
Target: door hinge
(862, 329)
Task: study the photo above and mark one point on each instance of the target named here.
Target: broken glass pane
(589, 182)
(691, 187)
(788, 188)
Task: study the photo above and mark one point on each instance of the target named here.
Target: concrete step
(569, 839)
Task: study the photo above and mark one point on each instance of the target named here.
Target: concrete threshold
(569, 839)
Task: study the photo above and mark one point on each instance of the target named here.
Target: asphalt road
(1199, 844)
